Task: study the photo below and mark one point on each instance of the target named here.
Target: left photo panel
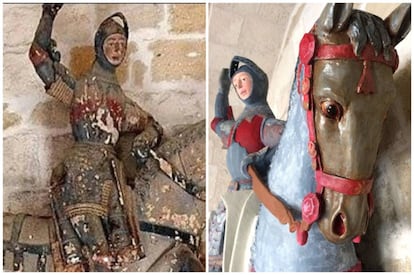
(104, 141)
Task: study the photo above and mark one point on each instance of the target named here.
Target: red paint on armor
(81, 110)
(229, 114)
(214, 123)
(37, 55)
(248, 134)
(115, 109)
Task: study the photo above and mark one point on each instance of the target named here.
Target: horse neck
(291, 175)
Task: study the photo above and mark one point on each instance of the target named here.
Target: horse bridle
(309, 52)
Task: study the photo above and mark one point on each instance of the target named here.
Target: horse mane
(341, 24)
(365, 27)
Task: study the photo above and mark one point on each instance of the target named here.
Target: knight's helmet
(260, 82)
(106, 28)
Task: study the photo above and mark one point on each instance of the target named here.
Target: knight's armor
(91, 203)
(255, 129)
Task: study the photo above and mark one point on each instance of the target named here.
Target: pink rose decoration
(310, 208)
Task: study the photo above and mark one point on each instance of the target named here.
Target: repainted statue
(254, 129)
(317, 200)
(93, 207)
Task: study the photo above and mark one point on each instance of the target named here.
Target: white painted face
(243, 83)
(114, 48)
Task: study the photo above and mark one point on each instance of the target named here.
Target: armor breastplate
(244, 139)
(247, 134)
(97, 111)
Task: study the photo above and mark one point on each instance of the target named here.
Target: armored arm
(147, 140)
(46, 59)
(149, 131)
(223, 115)
(271, 131)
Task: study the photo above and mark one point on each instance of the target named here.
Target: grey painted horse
(343, 88)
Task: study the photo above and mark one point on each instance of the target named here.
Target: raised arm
(46, 59)
(223, 117)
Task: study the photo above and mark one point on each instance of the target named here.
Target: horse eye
(331, 109)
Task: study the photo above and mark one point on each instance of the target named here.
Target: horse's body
(171, 220)
(32, 235)
(331, 139)
(291, 177)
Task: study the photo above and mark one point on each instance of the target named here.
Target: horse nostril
(338, 226)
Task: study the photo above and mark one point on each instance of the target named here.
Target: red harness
(309, 51)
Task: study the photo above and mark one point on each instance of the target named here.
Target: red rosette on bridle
(307, 48)
(311, 207)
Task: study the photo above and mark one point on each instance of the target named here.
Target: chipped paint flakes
(165, 188)
(180, 221)
(165, 213)
(77, 219)
(149, 208)
(69, 248)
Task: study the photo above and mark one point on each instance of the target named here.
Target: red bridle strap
(342, 185)
(309, 51)
(345, 51)
(366, 84)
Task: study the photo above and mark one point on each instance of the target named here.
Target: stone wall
(276, 30)
(164, 72)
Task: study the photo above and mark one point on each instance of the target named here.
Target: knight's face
(243, 83)
(114, 48)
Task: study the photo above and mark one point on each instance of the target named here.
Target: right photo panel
(309, 141)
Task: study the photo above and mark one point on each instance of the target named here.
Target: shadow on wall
(385, 245)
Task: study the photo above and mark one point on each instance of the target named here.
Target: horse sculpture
(171, 219)
(322, 171)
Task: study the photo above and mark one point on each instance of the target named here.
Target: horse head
(346, 71)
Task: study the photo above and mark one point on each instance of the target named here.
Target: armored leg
(120, 234)
(70, 246)
(91, 233)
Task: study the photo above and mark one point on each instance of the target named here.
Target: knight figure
(92, 204)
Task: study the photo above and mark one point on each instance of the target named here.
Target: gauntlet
(145, 141)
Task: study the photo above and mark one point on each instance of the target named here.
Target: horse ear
(398, 23)
(334, 17)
